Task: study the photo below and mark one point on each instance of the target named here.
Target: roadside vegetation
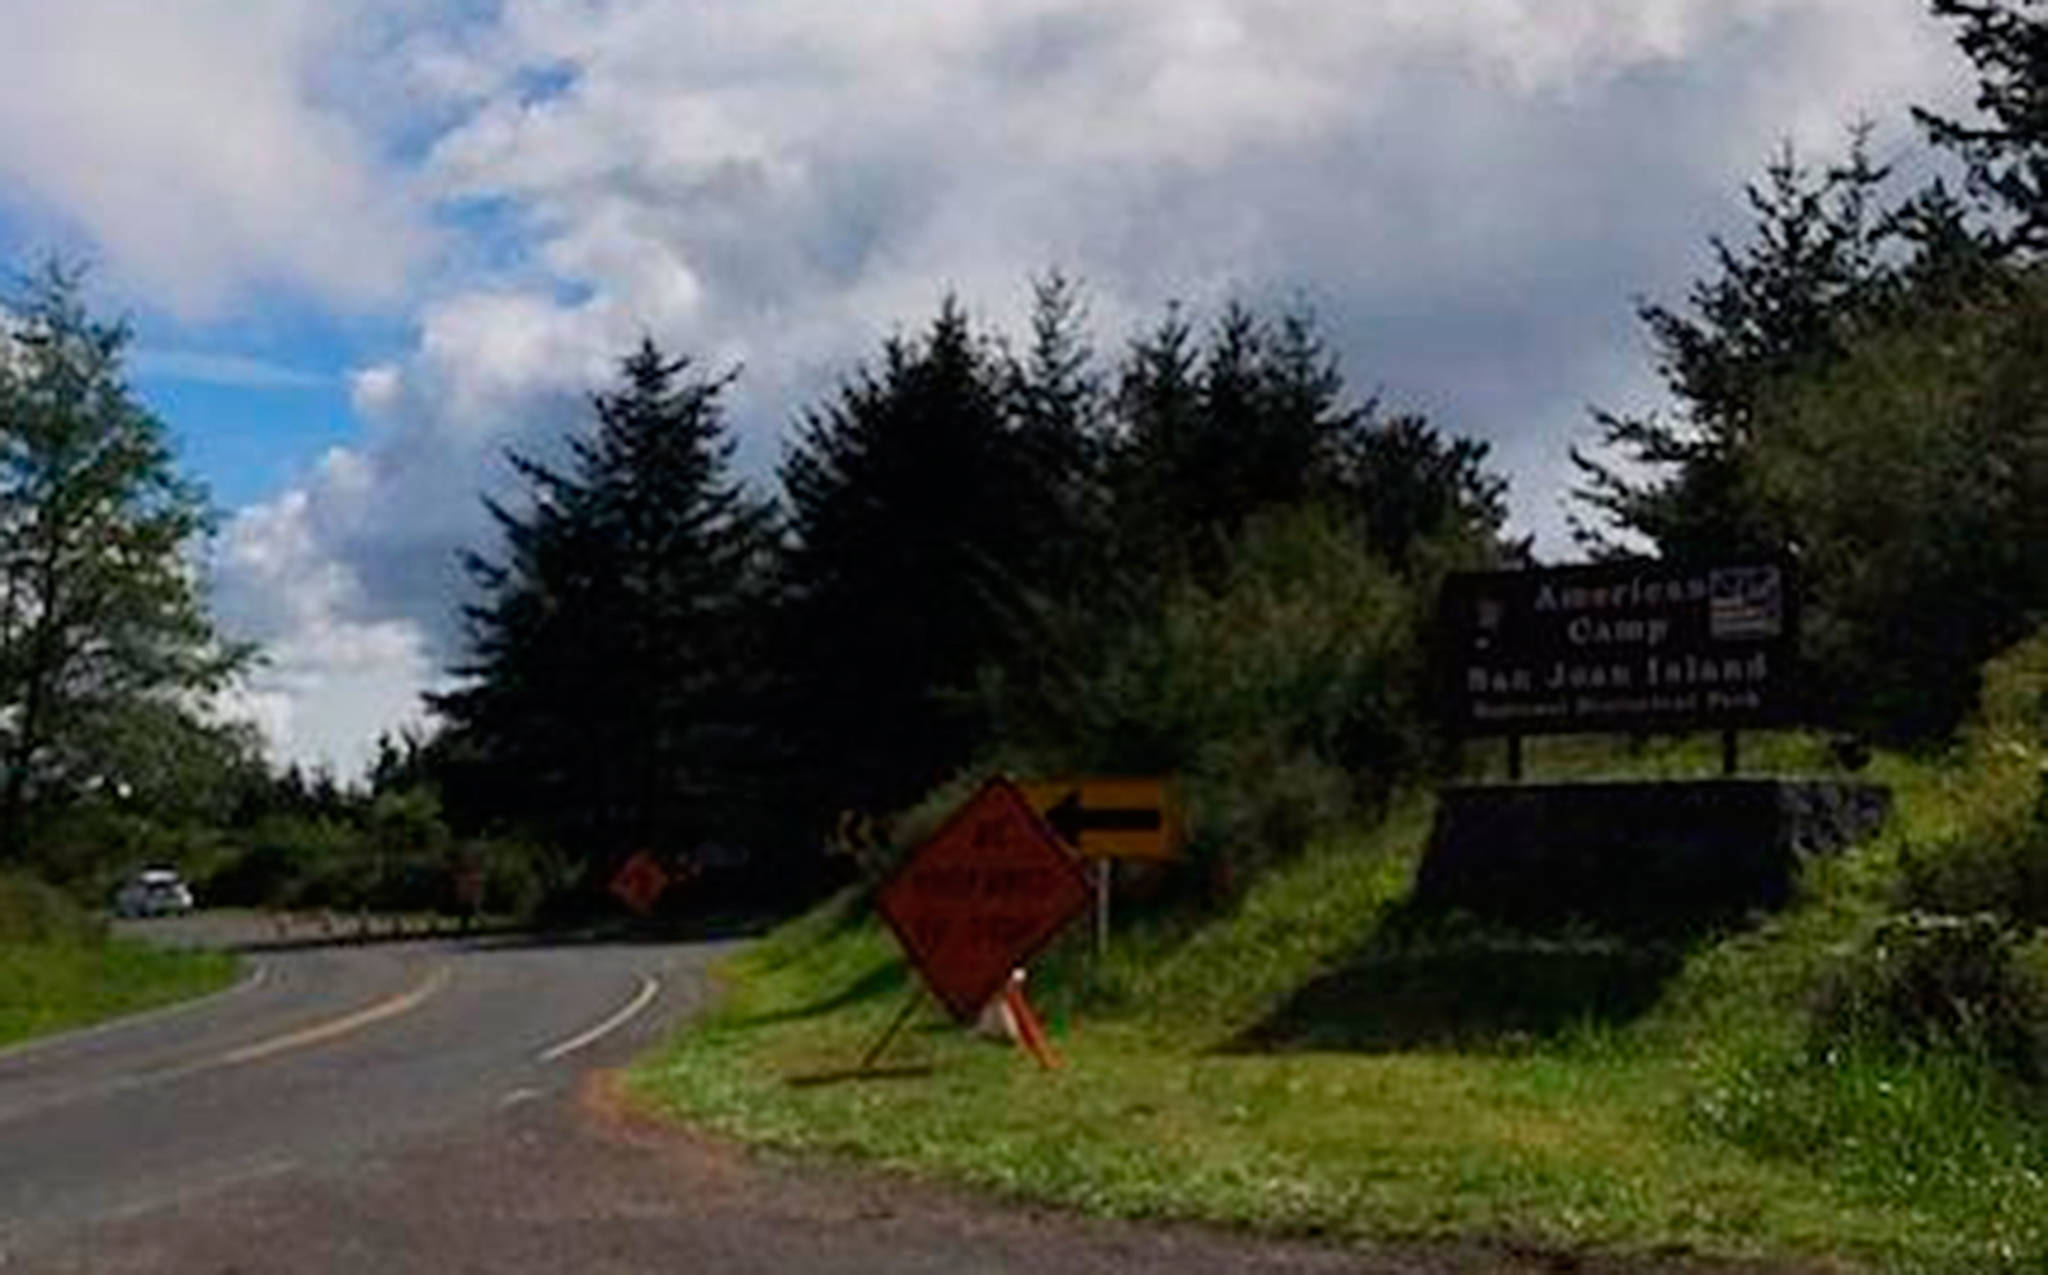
(1282, 1037)
(60, 969)
(1193, 548)
(1855, 1078)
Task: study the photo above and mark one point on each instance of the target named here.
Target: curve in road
(319, 1056)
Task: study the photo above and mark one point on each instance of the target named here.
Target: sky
(365, 245)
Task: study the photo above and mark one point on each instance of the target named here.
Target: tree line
(970, 534)
(1193, 549)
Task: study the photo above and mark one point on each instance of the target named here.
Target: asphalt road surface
(433, 1106)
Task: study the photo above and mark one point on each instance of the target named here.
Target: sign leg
(1514, 759)
(910, 1005)
(1730, 753)
(1102, 882)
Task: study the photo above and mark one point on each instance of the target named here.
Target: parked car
(154, 891)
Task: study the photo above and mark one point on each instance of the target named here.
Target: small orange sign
(981, 896)
(639, 883)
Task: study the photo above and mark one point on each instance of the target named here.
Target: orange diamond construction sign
(981, 896)
(639, 883)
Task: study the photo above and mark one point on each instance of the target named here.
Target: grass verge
(1644, 1102)
(59, 970)
(55, 987)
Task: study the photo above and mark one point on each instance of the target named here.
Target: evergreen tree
(1259, 419)
(1057, 411)
(1414, 491)
(1950, 257)
(611, 684)
(1912, 476)
(2006, 151)
(1208, 437)
(101, 614)
(911, 502)
(1158, 437)
(1783, 302)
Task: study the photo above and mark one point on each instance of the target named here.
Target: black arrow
(1070, 819)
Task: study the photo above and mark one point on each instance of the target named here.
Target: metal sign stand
(1102, 883)
(896, 1024)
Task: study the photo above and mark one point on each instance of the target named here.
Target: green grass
(46, 987)
(1634, 1102)
(58, 970)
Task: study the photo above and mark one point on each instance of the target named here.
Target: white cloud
(189, 143)
(1471, 192)
(372, 390)
(332, 676)
(214, 368)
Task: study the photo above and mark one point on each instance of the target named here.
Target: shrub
(2000, 869)
(288, 860)
(517, 877)
(1944, 984)
(1281, 693)
(33, 911)
(1995, 858)
(1255, 802)
(2013, 700)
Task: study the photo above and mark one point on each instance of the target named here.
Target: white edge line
(650, 986)
(248, 982)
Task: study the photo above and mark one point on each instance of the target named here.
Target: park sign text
(1638, 645)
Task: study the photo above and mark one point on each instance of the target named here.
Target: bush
(2012, 706)
(290, 861)
(89, 849)
(1254, 802)
(33, 911)
(1942, 984)
(1992, 855)
(1999, 867)
(1281, 695)
(517, 877)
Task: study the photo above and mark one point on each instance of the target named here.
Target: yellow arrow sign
(1105, 818)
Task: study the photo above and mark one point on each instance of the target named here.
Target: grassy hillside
(59, 969)
(1307, 1062)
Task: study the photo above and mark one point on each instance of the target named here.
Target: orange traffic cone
(1029, 1033)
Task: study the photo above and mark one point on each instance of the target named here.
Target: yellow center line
(402, 1003)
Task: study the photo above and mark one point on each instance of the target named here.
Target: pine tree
(2006, 151)
(1259, 419)
(1158, 434)
(1781, 303)
(1412, 489)
(1057, 405)
(911, 517)
(610, 675)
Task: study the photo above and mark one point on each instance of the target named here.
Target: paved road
(318, 1058)
(426, 1107)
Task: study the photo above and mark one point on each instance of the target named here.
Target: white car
(154, 892)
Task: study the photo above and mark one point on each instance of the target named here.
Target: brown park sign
(1621, 646)
(981, 896)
